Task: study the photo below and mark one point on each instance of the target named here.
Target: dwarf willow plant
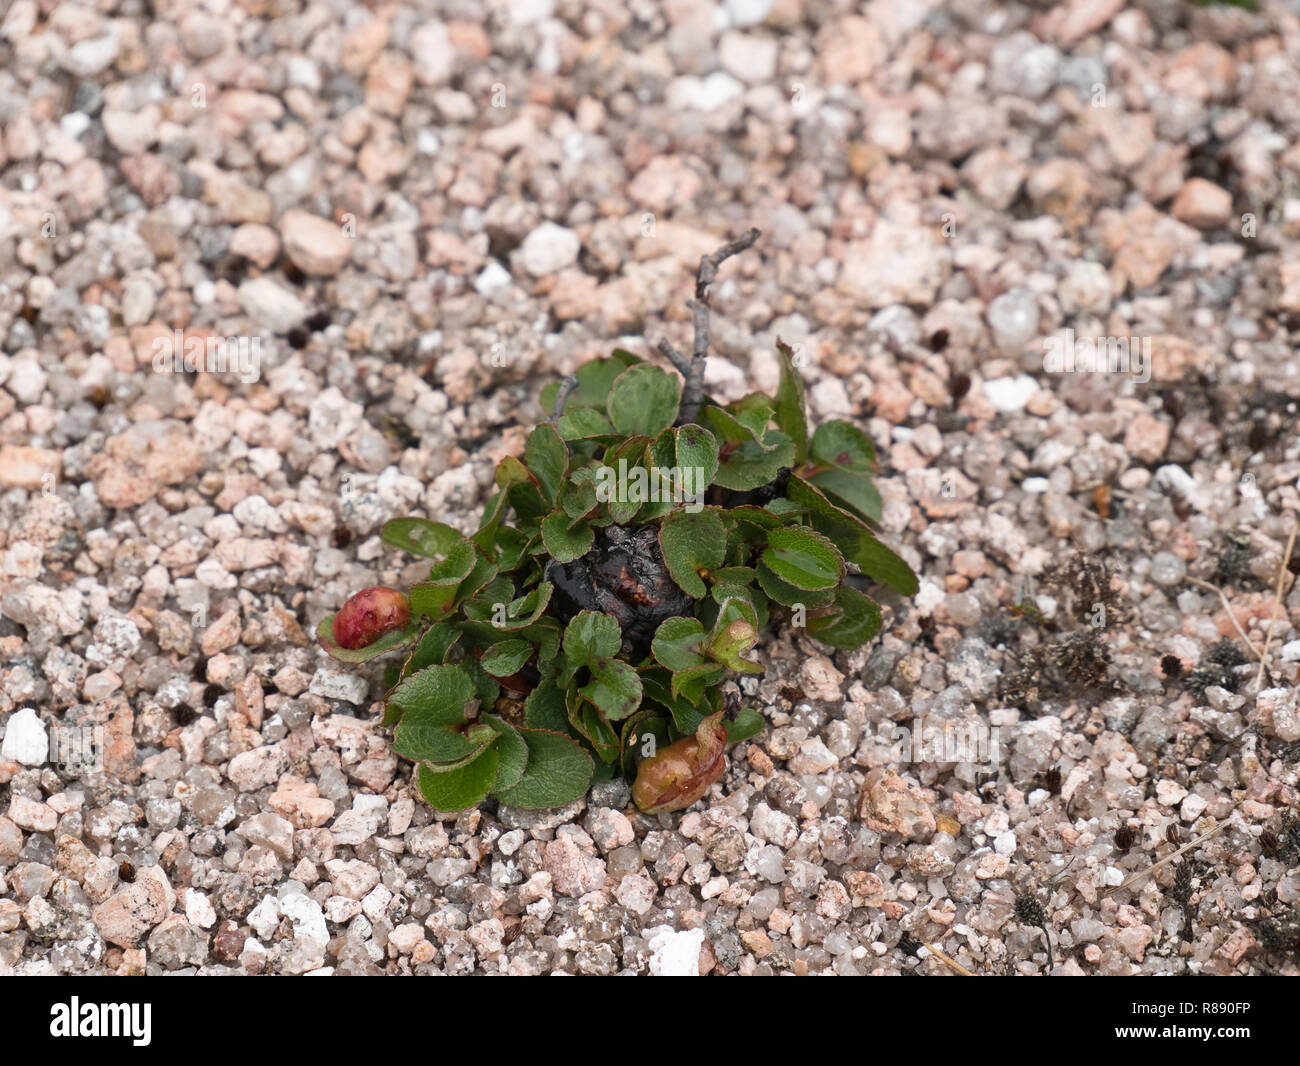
(621, 571)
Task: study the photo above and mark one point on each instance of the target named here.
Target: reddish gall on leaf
(370, 614)
(682, 773)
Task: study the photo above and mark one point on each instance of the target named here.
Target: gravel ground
(414, 215)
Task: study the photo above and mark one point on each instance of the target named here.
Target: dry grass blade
(1277, 604)
(1171, 857)
(1231, 617)
(948, 960)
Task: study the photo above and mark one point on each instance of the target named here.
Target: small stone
(1013, 318)
(29, 814)
(1010, 395)
(674, 954)
(1203, 204)
(28, 468)
(573, 871)
(203, 34)
(747, 12)
(893, 805)
(271, 831)
(271, 305)
(433, 53)
(1167, 569)
(134, 466)
(198, 909)
(127, 915)
(257, 243)
(1146, 437)
(314, 244)
(25, 739)
(176, 943)
(549, 248)
(610, 829)
(352, 878)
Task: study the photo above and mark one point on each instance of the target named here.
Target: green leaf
(580, 496)
(512, 752)
(644, 400)
(514, 546)
(506, 658)
(855, 621)
(842, 445)
(755, 411)
(557, 773)
(544, 634)
(791, 407)
(690, 684)
(484, 605)
(697, 450)
(544, 708)
(590, 636)
(614, 687)
(677, 643)
(460, 789)
(521, 488)
(885, 566)
(486, 688)
(419, 536)
(584, 423)
(804, 559)
(585, 717)
(547, 458)
(691, 542)
(420, 737)
(745, 462)
(856, 491)
(734, 633)
(623, 483)
(432, 597)
(563, 543)
(788, 595)
(595, 378)
(432, 649)
(748, 723)
(484, 571)
(439, 692)
(854, 538)
(390, 641)
(656, 687)
(526, 610)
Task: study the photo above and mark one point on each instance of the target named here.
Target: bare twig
(948, 961)
(1231, 617)
(1171, 857)
(682, 364)
(1277, 604)
(709, 264)
(693, 370)
(567, 387)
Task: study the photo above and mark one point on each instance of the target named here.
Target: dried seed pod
(370, 614)
(1030, 911)
(681, 773)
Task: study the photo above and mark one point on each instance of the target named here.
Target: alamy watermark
(931, 740)
(77, 749)
(1067, 354)
(656, 484)
(212, 355)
